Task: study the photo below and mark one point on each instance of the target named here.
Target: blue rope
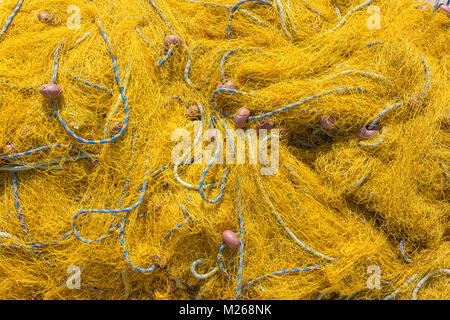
(358, 183)
(286, 228)
(428, 75)
(24, 247)
(35, 245)
(181, 100)
(338, 11)
(205, 172)
(183, 157)
(425, 278)
(294, 105)
(224, 178)
(373, 43)
(311, 8)
(112, 228)
(369, 74)
(375, 143)
(55, 63)
(382, 113)
(154, 174)
(114, 211)
(30, 167)
(230, 138)
(397, 292)
(22, 221)
(123, 223)
(220, 260)
(116, 105)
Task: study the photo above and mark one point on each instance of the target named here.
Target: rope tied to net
(235, 7)
(288, 107)
(11, 17)
(425, 91)
(119, 83)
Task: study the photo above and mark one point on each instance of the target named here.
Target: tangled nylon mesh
(338, 209)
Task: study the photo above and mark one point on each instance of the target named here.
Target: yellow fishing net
(93, 206)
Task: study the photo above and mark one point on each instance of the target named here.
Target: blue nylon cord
(402, 250)
(235, 7)
(11, 17)
(122, 92)
(26, 153)
(358, 7)
(165, 58)
(277, 273)
(283, 22)
(241, 244)
(425, 91)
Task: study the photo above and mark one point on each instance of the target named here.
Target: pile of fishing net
(95, 97)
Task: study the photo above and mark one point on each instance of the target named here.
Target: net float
(446, 119)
